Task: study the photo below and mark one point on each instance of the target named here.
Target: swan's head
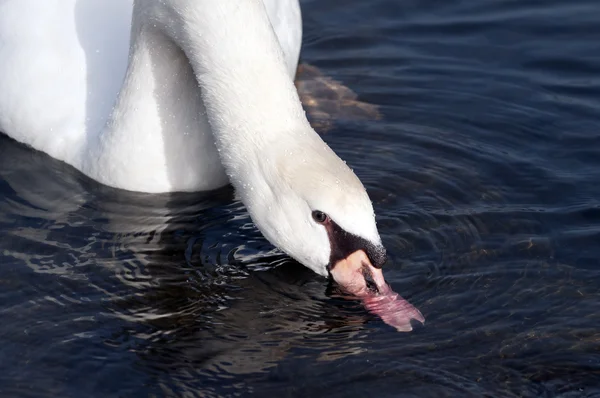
(311, 205)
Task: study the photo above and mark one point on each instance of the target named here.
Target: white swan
(183, 95)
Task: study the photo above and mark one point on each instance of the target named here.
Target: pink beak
(352, 272)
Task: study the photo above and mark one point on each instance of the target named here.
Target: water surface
(483, 168)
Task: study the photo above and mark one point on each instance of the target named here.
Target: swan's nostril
(370, 282)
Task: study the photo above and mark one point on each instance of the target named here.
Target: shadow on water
(179, 290)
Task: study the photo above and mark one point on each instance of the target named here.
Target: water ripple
(483, 170)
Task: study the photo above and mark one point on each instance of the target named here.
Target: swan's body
(205, 97)
(200, 93)
(62, 65)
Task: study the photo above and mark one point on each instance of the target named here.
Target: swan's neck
(157, 138)
(251, 101)
(200, 67)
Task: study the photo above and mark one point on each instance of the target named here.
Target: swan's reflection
(184, 281)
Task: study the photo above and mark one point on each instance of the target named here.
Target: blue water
(484, 170)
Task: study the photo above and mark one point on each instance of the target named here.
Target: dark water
(484, 170)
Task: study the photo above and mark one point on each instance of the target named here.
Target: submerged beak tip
(358, 276)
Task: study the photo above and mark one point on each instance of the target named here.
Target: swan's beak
(356, 275)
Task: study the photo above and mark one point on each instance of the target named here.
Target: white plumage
(179, 95)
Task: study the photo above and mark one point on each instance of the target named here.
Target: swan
(190, 95)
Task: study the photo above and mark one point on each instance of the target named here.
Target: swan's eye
(319, 216)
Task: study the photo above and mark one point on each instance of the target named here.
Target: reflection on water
(160, 283)
(482, 163)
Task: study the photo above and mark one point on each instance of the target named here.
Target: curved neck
(250, 99)
(204, 68)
